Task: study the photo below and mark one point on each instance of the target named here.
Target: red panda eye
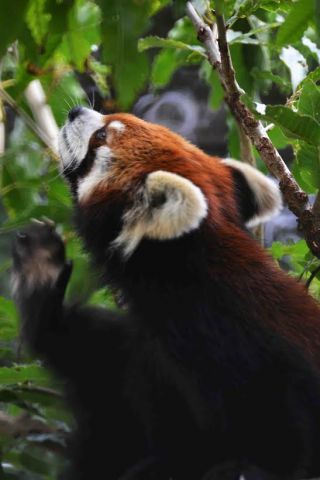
(100, 134)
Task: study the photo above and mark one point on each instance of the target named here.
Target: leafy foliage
(274, 47)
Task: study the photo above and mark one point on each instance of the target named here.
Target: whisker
(93, 99)
(68, 104)
(73, 163)
(73, 100)
(88, 99)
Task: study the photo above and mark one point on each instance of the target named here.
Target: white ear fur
(265, 191)
(171, 206)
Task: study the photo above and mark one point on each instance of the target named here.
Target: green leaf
(154, 41)
(123, 24)
(99, 73)
(298, 250)
(216, 95)
(78, 290)
(130, 77)
(241, 68)
(277, 79)
(233, 137)
(306, 168)
(84, 21)
(317, 19)
(277, 250)
(38, 20)
(245, 8)
(165, 64)
(294, 125)
(224, 6)
(314, 76)
(8, 319)
(11, 22)
(244, 38)
(175, 53)
(58, 26)
(103, 298)
(156, 5)
(296, 22)
(17, 191)
(23, 394)
(24, 374)
(309, 100)
(278, 138)
(275, 5)
(210, 76)
(183, 30)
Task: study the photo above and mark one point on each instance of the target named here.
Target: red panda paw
(38, 257)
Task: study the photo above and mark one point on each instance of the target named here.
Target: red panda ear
(258, 196)
(171, 207)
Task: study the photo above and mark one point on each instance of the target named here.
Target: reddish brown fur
(281, 302)
(141, 141)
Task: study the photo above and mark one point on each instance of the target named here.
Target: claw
(21, 236)
(48, 221)
(37, 222)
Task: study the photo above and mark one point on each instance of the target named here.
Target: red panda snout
(85, 148)
(75, 136)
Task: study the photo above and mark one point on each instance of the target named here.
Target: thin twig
(2, 130)
(42, 390)
(246, 153)
(29, 122)
(312, 276)
(247, 156)
(296, 198)
(207, 37)
(42, 112)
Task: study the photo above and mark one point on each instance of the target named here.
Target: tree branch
(2, 130)
(218, 54)
(42, 113)
(312, 276)
(29, 122)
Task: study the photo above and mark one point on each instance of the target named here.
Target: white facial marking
(117, 125)
(102, 158)
(75, 135)
(265, 191)
(97, 173)
(172, 206)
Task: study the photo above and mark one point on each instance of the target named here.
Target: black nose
(74, 112)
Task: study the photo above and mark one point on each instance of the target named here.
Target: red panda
(213, 368)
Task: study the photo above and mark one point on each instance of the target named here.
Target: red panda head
(166, 186)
